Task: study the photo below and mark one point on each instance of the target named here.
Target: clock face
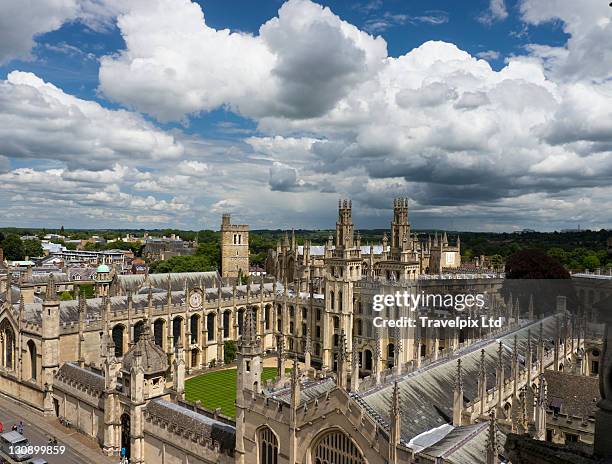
(195, 300)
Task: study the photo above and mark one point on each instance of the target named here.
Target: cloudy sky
(488, 115)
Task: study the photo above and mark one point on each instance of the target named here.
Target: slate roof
(426, 396)
(465, 444)
(187, 419)
(178, 281)
(154, 360)
(575, 395)
(71, 372)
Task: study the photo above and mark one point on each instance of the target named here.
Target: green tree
(13, 248)
(229, 351)
(65, 296)
(87, 290)
(591, 262)
(32, 248)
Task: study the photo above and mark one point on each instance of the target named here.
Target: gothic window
(33, 367)
(291, 311)
(358, 327)
(331, 300)
(268, 447)
(368, 360)
(158, 332)
(336, 447)
(291, 327)
(318, 314)
(226, 324)
(240, 320)
(195, 323)
(138, 329)
(8, 346)
(336, 323)
(318, 331)
(210, 326)
(118, 340)
(340, 301)
(304, 313)
(177, 329)
(267, 316)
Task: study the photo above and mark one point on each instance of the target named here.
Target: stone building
(234, 248)
(404, 256)
(114, 365)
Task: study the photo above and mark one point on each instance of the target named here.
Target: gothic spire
(51, 294)
(249, 334)
(459, 376)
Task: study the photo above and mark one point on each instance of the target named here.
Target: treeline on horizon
(576, 250)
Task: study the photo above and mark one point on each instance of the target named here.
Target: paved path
(79, 448)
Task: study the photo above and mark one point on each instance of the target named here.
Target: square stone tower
(234, 248)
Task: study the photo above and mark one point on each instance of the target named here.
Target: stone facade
(115, 365)
(234, 249)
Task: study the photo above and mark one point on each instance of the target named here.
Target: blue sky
(149, 116)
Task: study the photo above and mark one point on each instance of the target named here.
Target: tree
(65, 296)
(229, 351)
(534, 264)
(531, 273)
(32, 248)
(591, 262)
(13, 248)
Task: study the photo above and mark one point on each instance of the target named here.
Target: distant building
(161, 249)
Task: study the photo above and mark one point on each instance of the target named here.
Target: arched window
(368, 360)
(177, 329)
(226, 324)
(358, 329)
(138, 329)
(332, 303)
(158, 332)
(267, 317)
(210, 326)
(118, 340)
(340, 301)
(195, 327)
(268, 447)
(33, 367)
(240, 320)
(336, 447)
(8, 345)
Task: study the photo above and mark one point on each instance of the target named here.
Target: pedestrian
(20, 427)
(14, 428)
(1, 427)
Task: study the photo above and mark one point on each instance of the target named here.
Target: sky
(488, 115)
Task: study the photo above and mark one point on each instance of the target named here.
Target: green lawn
(218, 389)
